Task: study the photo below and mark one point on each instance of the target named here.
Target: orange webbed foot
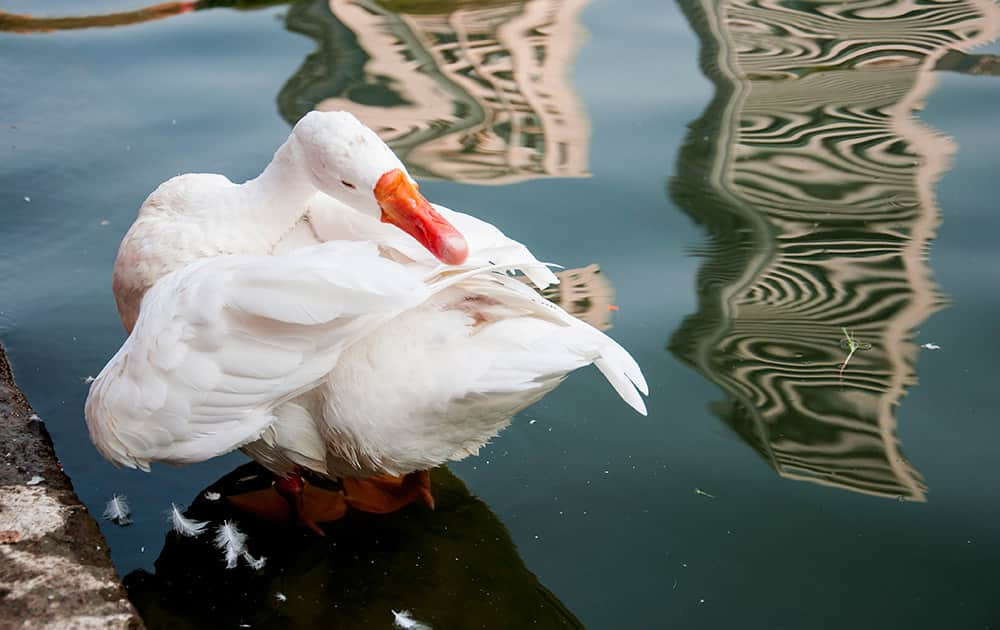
(307, 505)
(384, 494)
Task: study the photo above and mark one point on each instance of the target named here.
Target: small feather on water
(117, 510)
(186, 526)
(403, 619)
(255, 563)
(231, 541)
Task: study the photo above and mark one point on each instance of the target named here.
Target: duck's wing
(447, 376)
(331, 221)
(576, 338)
(220, 343)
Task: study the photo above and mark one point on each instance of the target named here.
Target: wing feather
(614, 362)
(220, 343)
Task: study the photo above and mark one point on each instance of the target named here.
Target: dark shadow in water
(815, 184)
(468, 91)
(454, 567)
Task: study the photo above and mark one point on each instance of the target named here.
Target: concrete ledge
(55, 571)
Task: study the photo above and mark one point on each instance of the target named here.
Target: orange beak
(403, 206)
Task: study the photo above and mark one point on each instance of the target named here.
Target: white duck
(304, 317)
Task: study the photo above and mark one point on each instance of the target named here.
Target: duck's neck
(278, 198)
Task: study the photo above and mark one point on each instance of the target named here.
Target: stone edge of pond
(55, 569)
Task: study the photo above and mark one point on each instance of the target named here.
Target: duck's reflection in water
(454, 567)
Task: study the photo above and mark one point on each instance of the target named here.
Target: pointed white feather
(405, 621)
(186, 526)
(255, 563)
(614, 362)
(231, 541)
(117, 510)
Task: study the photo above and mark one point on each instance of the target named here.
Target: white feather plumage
(254, 563)
(233, 544)
(117, 510)
(268, 349)
(231, 541)
(405, 621)
(186, 526)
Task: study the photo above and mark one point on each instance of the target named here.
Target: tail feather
(627, 365)
(614, 362)
(622, 384)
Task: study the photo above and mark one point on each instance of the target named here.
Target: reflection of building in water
(816, 185)
(585, 294)
(17, 23)
(473, 92)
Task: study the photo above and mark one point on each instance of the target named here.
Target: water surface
(753, 180)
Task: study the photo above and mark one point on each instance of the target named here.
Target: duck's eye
(348, 184)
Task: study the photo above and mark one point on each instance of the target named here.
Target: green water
(753, 179)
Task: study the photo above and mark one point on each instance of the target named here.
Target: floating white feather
(404, 619)
(233, 543)
(255, 563)
(186, 526)
(230, 541)
(117, 510)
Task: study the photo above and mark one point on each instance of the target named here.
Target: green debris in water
(852, 345)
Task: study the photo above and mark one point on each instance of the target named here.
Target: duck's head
(349, 162)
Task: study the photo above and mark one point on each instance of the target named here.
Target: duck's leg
(293, 499)
(292, 488)
(385, 493)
